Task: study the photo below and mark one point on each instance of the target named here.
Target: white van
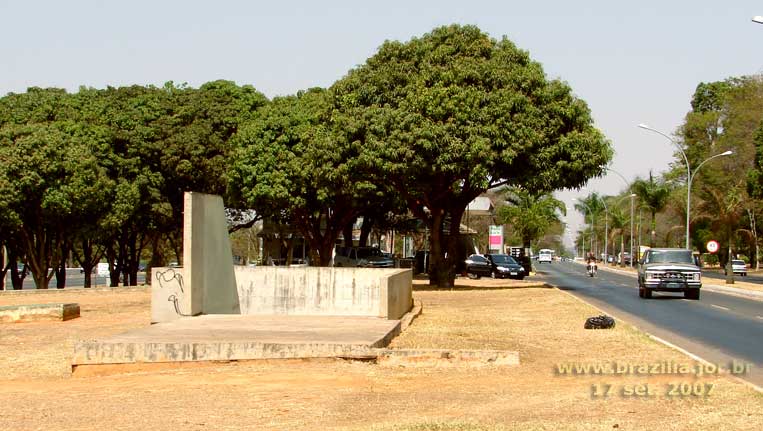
(102, 270)
(545, 255)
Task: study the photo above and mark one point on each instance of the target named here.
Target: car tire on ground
(641, 293)
(692, 294)
(493, 274)
(647, 293)
(472, 275)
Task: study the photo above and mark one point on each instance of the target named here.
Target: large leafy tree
(530, 215)
(50, 176)
(295, 163)
(454, 113)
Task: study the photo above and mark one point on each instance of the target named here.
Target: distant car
(493, 265)
(669, 270)
(366, 257)
(738, 267)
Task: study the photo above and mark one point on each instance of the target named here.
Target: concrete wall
(397, 294)
(324, 291)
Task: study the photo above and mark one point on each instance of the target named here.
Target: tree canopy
(454, 113)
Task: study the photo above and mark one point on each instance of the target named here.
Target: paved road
(74, 279)
(719, 328)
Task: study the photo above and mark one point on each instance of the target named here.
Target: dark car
(494, 265)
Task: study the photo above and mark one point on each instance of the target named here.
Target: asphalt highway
(719, 328)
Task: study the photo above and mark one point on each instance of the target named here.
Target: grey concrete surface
(207, 257)
(227, 337)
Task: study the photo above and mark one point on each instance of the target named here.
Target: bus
(545, 255)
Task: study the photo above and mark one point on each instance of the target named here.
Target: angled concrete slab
(227, 337)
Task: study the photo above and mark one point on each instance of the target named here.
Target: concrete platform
(237, 337)
(39, 312)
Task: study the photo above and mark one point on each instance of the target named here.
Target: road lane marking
(718, 306)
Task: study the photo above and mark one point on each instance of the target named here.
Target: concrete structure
(38, 312)
(311, 291)
(226, 337)
(209, 311)
(208, 284)
(207, 257)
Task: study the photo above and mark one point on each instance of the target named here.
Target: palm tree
(531, 215)
(618, 224)
(654, 196)
(592, 206)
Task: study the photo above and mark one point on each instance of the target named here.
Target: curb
(666, 343)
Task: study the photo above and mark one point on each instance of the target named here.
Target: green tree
(50, 178)
(530, 215)
(295, 163)
(454, 113)
(654, 197)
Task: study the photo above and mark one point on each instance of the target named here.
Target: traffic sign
(712, 246)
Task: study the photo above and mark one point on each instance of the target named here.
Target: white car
(738, 267)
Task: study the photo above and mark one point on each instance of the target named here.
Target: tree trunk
(347, 234)
(438, 271)
(61, 265)
(365, 231)
(729, 269)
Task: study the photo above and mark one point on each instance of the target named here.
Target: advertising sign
(495, 238)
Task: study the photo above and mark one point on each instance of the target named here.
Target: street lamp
(593, 229)
(632, 195)
(689, 174)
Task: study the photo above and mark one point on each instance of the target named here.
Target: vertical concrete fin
(207, 256)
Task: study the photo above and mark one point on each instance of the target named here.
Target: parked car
(493, 265)
(669, 270)
(737, 267)
(367, 257)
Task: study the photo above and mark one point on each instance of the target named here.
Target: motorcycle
(591, 268)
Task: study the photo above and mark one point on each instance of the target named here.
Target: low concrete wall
(324, 291)
(397, 294)
(38, 312)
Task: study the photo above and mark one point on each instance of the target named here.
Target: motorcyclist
(591, 262)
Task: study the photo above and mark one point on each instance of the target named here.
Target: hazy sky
(633, 62)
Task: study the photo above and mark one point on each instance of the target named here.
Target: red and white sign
(712, 246)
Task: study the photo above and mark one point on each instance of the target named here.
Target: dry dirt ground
(544, 325)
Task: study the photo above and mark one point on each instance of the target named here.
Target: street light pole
(593, 229)
(628, 185)
(606, 232)
(689, 175)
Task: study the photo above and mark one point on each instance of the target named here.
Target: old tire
(599, 322)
